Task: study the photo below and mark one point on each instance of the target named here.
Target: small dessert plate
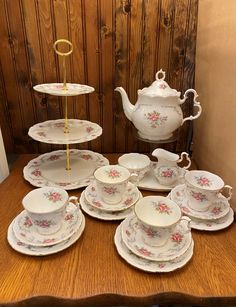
(213, 225)
(130, 197)
(57, 89)
(177, 244)
(150, 183)
(104, 215)
(24, 230)
(148, 265)
(52, 131)
(217, 210)
(28, 249)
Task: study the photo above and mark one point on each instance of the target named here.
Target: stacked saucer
(43, 232)
(92, 203)
(200, 199)
(156, 238)
(111, 196)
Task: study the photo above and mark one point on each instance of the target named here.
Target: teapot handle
(195, 104)
(187, 158)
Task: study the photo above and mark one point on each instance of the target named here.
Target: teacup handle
(186, 157)
(134, 179)
(229, 191)
(187, 220)
(74, 201)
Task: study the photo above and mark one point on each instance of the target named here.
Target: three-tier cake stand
(69, 168)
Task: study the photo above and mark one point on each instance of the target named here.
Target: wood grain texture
(116, 43)
(91, 273)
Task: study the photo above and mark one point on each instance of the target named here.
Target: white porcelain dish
(216, 210)
(52, 131)
(148, 265)
(150, 183)
(30, 250)
(49, 169)
(104, 215)
(130, 197)
(57, 89)
(25, 232)
(177, 244)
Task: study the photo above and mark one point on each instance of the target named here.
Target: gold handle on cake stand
(65, 88)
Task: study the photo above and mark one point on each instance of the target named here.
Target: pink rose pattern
(110, 190)
(44, 223)
(89, 129)
(28, 222)
(150, 232)
(156, 119)
(36, 173)
(144, 251)
(113, 173)
(203, 181)
(54, 157)
(128, 201)
(86, 157)
(162, 208)
(162, 86)
(53, 196)
(167, 173)
(216, 210)
(177, 237)
(199, 196)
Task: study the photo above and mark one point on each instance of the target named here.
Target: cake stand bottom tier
(49, 169)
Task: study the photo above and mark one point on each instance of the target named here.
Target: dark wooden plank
(107, 63)
(121, 124)
(78, 59)
(92, 45)
(185, 132)
(34, 50)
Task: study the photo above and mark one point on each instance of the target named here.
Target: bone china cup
(46, 208)
(203, 188)
(136, 163)
(158, 217)
(112, 181)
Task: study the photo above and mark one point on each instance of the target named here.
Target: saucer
(130, 198)
(150, 183)
(213, 225)
(24, 232)
(148, 265)
(177, 244)
(217, 210)
(28, 249)
(104, 215)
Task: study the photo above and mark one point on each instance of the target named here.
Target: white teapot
(157, 112)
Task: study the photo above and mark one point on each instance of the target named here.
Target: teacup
(136, 163)
(158, 217)
(203, 188)
(112, 181)
(46, 208)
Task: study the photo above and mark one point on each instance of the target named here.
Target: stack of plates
(92, 203)
(218, 216)
(23, 238)
(173, 255)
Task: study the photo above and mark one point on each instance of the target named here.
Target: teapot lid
(159, 87)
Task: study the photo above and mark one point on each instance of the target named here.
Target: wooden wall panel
(116, 43)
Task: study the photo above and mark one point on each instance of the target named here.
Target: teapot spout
(127, 105)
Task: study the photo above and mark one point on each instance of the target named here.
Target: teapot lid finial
(160, 72)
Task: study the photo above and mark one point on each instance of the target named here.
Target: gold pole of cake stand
(65, 88)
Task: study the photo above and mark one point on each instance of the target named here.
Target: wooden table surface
(92, 268)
